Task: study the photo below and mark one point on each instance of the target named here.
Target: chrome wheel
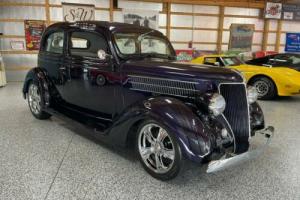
(34, 99)
(262, 88)
(156, 148)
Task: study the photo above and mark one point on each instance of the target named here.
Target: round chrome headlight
(252, 94)
(217, 104)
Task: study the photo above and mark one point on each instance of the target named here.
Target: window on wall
(87, 44)
(55, 43)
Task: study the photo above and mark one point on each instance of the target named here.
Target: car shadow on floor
(129, 153)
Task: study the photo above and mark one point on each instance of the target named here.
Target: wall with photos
(207, 26)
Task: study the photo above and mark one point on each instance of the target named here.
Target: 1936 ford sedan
(122, 83)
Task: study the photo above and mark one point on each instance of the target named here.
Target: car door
(92, 83)
(51, 57)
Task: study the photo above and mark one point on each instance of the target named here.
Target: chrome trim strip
(163, 86)
(166, 79)
(177, 88)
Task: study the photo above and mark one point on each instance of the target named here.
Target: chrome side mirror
(101, 54)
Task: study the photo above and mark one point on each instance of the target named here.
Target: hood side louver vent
(163, 86)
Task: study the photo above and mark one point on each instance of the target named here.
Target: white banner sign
(78, 12)
(145, 18)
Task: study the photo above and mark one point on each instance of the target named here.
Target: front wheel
(265, 87)
(158, 151)
(35, 103)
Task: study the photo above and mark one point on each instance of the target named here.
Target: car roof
(111, 26)
(218, 55)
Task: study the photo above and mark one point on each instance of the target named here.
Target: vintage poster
(73, 12)
(291, 12)
(241, 36)
(33, 33)
(273, 10)
(292, 42)
(142, 18)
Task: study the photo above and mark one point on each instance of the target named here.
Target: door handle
(62, 68)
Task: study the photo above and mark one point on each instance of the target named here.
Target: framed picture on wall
(241, 36)
(33, 33)
(145, 18)
(273, 10)
(17, 45)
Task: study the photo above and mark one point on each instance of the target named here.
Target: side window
(87, 44)
(210, 61)
(280, 60)
(55, 43)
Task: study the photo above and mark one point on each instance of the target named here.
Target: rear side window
(55, 43)
(87, 44)
(79, 43)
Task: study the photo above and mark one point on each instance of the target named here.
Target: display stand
(2, 73)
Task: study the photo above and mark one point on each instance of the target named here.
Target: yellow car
(269, 81)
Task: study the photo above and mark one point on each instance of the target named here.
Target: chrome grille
(237, 114)
(163, 86)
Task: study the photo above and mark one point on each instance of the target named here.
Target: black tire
(265, 87)
(175, 168)
(37, 113)
(100, 80)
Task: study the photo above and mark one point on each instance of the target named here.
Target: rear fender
(191, 133)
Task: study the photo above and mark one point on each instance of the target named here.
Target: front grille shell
(237, 113)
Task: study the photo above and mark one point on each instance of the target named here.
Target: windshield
(295, 59)
(143, 44)
(232, 61)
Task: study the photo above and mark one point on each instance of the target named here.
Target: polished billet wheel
(34, 99)
(262, 88)
(265, 88)
(159, 151)
(34, 102)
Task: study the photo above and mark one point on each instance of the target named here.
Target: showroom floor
(48, 160)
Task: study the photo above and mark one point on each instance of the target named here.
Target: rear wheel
(265, 87)
(158, 151)
(34, 102)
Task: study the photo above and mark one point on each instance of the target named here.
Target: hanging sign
(273, 10)
(33, 33)
(241, 36)
(292, 42)
(78, 12)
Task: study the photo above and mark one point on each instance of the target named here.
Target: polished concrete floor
(48, 160)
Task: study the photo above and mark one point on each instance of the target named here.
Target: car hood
(180, 71)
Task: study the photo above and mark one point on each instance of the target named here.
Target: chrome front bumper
(229, 160)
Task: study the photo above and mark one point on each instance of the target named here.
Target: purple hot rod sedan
(166, 111)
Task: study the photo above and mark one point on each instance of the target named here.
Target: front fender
(192, 134)
(38, 76)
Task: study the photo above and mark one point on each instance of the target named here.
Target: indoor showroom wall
(197, 23)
